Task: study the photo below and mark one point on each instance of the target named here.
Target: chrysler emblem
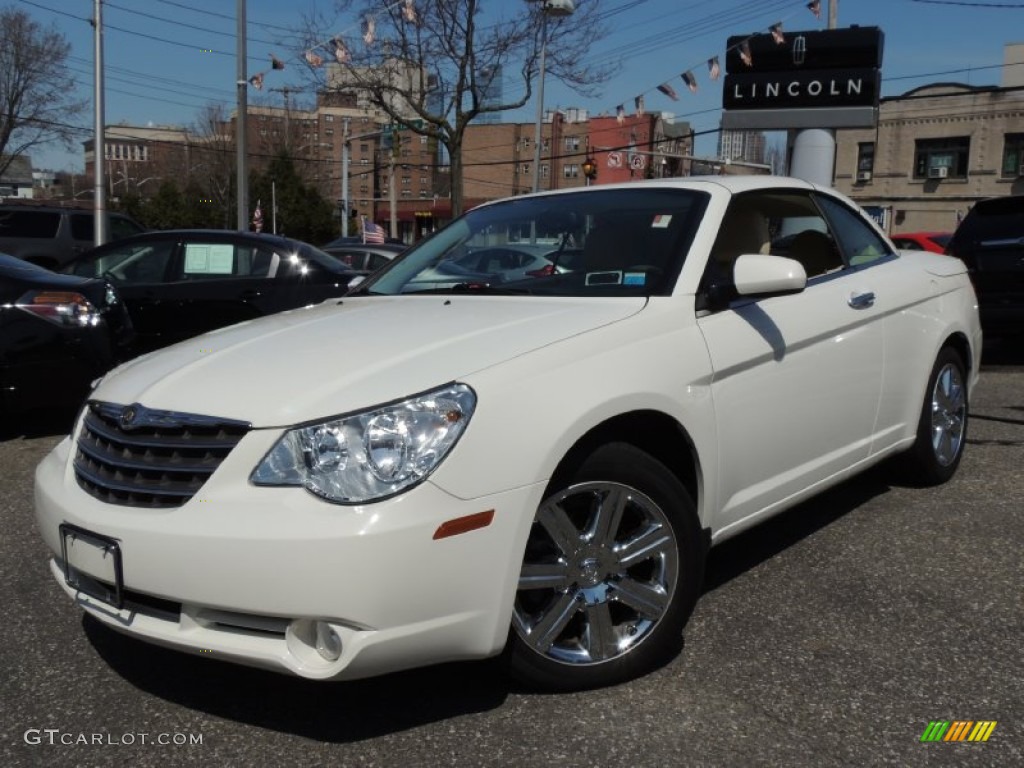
(127, 418)
(799, 50)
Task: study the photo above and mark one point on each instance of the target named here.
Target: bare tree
(36, 103)
(211, 158)
(431, 65)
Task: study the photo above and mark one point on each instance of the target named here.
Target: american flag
(372, 233)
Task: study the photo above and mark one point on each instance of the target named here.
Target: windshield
(627, 241)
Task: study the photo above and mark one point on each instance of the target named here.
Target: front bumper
(243, 573)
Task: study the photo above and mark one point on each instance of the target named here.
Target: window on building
(571, 170)
(423, 139)
(941, 158)
(406, 180)
(525, 169)
(406, 193)
(329, 118)
(544, 170)
(572, 143)
(865, 157)
(328, 131)
(364, 147)
(1013, 155)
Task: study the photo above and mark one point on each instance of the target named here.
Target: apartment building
(936, 150)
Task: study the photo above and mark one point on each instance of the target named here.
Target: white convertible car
(536, 468)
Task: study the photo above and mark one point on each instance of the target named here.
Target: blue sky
(166, 59)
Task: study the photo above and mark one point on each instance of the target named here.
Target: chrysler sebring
(424, 471)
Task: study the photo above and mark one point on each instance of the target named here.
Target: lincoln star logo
(128, 417)
(799, 50)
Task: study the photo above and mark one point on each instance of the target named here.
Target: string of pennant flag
(714, 67)
(337, 47)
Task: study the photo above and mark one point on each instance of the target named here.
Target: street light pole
(548, 8)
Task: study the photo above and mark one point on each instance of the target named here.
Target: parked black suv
(990, 241)
(51, 236)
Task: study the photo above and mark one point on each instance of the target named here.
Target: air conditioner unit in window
(863, 175)
(939, 172)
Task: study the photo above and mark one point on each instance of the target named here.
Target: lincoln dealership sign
(819, 79)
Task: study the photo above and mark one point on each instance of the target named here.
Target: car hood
(341, 356)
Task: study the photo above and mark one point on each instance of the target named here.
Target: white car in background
(411, 475)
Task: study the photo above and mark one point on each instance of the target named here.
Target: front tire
(942, 428)
(612, 569)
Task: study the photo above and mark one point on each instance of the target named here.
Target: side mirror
(758, 274)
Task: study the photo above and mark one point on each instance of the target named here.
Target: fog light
(328, 644)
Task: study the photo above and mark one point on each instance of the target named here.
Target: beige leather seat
(744, 230)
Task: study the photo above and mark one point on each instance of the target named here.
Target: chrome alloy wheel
(949, 410)
(600, 570)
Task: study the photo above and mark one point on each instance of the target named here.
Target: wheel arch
(653, 432)
(958, 342)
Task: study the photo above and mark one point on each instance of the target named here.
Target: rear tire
(612, 569)
(942, 428)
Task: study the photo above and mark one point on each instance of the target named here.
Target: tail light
(65, 308)
(545, 271)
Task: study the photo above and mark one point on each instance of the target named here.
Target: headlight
(367, 456)
(65, 308)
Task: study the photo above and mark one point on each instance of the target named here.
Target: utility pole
(344, 178)
(99, 139)
(241, 128)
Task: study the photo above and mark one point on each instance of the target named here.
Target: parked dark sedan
(180, 283)
(57, 334)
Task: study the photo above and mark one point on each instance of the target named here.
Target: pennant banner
(714, 70)
(777, 36)
(340, 51)
(409, 11)
(745, 56)
(369, 30)
(815, 7)
(313, 59)
(669, 91)
(690, 80)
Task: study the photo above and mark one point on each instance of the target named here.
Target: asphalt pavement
(830, 636)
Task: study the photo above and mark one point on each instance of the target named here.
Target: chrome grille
(140, 457)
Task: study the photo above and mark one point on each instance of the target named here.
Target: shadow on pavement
(766, 540)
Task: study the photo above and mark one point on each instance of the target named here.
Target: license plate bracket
(82, 549)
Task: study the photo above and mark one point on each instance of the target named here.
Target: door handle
(862, 300)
